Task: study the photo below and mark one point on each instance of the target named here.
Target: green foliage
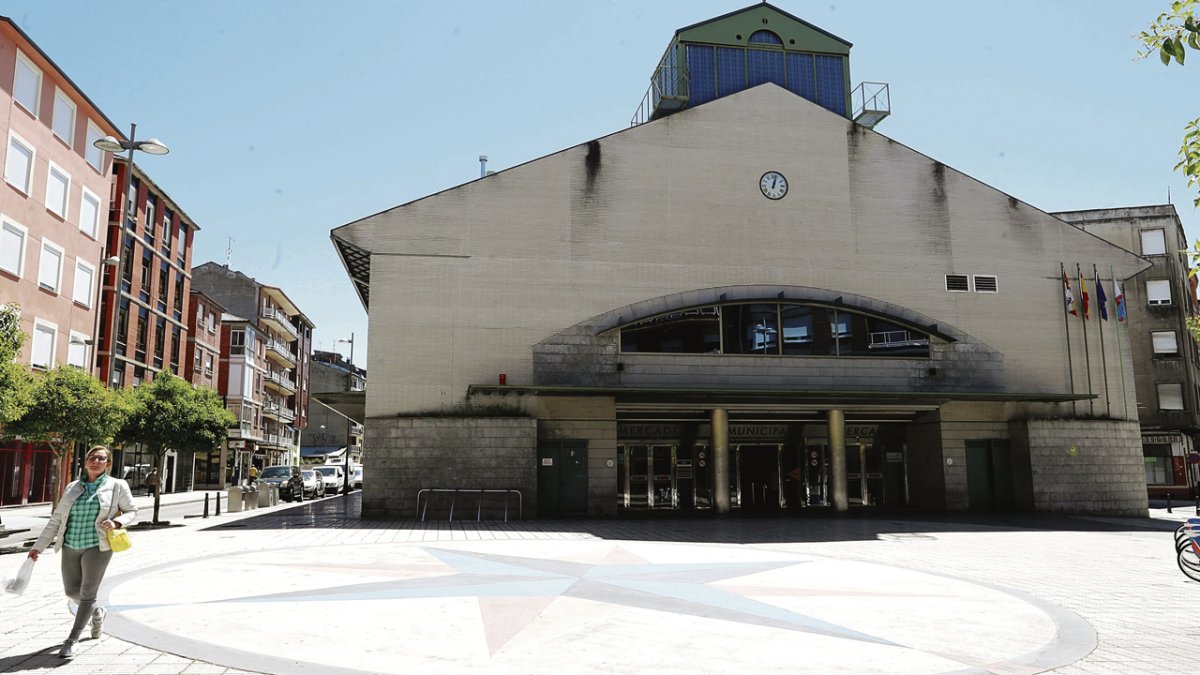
(16, 385)
(1172, 34)
(69, 404)
(169, 413)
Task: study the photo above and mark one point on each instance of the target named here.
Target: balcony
(279, 412)
(244, 431)
(872, 102)
(280, 353)
(280, 383)
(280, 322)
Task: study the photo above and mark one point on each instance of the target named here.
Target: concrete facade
(513, 292)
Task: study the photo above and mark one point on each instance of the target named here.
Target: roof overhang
(352, 404)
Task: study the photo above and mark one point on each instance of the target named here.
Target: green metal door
(979, 476)
(562, 478)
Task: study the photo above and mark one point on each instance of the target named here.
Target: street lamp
(351, 341)
(114, 145)
(346, 461)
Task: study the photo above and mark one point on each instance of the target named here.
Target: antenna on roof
(229, 251)
(1168, 194)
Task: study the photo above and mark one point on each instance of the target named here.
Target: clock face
(773, 185)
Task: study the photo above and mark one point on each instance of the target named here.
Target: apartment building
(52, 204)
(202, 352)
(329, 432)
(1163, 358)
(266, 349)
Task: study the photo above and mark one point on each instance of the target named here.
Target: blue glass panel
(765, 37)
(764, 66)
(800, 76)
(731, 70)
(703, 73)
(668, 73)
(831, 84)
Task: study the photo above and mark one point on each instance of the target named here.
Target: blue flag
(1101, 298)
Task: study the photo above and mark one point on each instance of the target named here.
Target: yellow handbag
(118, 539)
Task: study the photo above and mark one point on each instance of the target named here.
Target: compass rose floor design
(565, 606)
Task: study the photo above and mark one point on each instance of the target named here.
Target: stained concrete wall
(1084, 466)
(411, 454)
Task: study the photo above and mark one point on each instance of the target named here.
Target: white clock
(773, 185)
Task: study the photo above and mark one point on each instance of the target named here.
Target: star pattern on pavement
(513, 590)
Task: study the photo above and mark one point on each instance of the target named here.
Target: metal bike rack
(479, 493)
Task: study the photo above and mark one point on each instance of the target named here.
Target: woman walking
(89, 508)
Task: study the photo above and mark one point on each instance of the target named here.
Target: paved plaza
(314, 589)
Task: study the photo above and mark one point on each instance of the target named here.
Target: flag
(1119, 300)
(1070, 296)
(1101, 299)
(1083, 295)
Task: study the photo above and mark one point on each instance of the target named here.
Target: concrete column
(837, 459)
(720, 452)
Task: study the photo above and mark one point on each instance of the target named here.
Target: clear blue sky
(288, 118)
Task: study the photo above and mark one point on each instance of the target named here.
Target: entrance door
(989, 475)
(816, 483)
(562, 478)
(758, 476)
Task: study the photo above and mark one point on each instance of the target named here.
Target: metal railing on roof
(871, 103)
(668, 92)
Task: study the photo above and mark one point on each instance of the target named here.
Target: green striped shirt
(81, 522)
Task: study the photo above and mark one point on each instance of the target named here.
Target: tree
(1171, 35)
(16, 386)
(68, 406)
(168, 413)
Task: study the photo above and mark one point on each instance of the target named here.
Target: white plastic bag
(16, 584)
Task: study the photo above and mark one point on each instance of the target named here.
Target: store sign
(1159, 440)
(237, 445)
(646, 430)
(757, 432)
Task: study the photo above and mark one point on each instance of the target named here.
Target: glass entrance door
(758, 474)
(647, 476)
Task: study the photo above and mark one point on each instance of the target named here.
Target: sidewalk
(312, 588)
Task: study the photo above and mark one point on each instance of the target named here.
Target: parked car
(333, 477)
(356, 477)
(287, 478)
(314, 485)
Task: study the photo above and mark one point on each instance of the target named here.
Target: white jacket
(115, 496)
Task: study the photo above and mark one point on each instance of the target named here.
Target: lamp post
(114, 145)
(346, 461)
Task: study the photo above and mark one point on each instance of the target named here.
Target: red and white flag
(1070, 296)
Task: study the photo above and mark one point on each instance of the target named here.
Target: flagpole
(1062, 281)
(1120, 359)
(1087, 356)
(1102, 302)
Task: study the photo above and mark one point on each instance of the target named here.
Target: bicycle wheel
(1189, 563)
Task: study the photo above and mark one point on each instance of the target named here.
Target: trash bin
(235, 499)
(264, 495)
(249, 497)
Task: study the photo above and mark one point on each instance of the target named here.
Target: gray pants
(82, 572)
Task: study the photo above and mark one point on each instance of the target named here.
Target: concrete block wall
(415, 453)
(926, 479)
(1084, 466)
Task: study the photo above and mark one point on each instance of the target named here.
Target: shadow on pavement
(344, 512)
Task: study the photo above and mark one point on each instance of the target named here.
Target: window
(151, 223)
(12, 247)
(1170, 396)
(1158, 292)
(1154, 242)
(58, 186)
(1164, 343)
(750, 329)
(44, 334)
(27, 84)
(89, 213)
(50, 266)
(18, 165)
(237, 342)
(64, 117)
(985, 283)
(208, 364)
(166, 232)
(77, 349)
(957, 283)
(196, 366)
(84, 273)
(1158, 463)
(93, 155)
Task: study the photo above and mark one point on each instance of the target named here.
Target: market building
(749, 300)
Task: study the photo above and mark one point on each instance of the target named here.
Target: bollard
(205, 504)
(1168, 502)
(218, 500)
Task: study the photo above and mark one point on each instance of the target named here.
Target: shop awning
(321, 450)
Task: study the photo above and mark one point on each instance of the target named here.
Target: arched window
(769, 328)
(765, 37)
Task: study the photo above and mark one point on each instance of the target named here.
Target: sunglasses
(98, 458)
